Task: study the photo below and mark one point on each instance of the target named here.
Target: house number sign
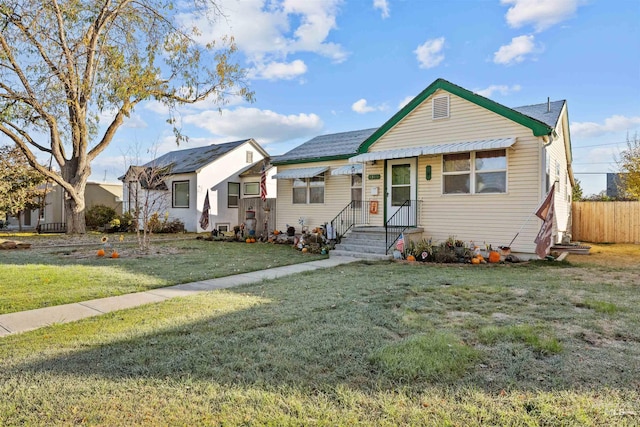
(374, 176)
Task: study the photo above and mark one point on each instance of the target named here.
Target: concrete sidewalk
(23, 321)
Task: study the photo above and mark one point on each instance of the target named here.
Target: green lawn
(52, 275)
(361, 344)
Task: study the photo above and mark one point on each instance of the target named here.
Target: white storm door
(401, 186)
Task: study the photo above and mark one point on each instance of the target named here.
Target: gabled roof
(548, 113)
(326, 147)
(538, 127)
(193, 159)
(256, 169)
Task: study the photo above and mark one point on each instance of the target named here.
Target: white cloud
(429, 53)
(501, 89)
(278, 70)
(361, 107)
(516, 51)
(264, 125)
(599, 155)
(383, 5)
(268, 31)
(405, 101)
(614, 123)
(542, 14)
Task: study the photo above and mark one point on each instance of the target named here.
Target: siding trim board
(537, 127)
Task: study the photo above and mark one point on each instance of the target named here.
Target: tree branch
(31, 158)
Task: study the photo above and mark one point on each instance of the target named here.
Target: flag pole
(521, 228)
(551, 190)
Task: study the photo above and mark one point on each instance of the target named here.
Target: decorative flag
(545, 212)
(263, 184)
(204, 218)
(400, 243)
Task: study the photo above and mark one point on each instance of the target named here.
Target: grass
(539, 338)
(60, 274)
(363, 344)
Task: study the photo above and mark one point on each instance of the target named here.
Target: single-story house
(449, 163)
(53, 213)
(177, 183)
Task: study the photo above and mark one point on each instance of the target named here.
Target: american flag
(204, 218)
(545, 212)
(263, 184)
(400, 243)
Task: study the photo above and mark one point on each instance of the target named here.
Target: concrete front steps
(367, 243)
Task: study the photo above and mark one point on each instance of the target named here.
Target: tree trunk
(74, 205)
(75, 220)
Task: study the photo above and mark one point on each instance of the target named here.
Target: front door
(401, 186)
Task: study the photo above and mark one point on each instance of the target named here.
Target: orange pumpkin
(494, 257)
(115, 254)
(100, 252)
(475, 260)
(276, 232)
(480, 257)
(411, 258)
(305, 250)
(253, 240)
(248, 240)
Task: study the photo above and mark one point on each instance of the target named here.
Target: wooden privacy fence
(263, 217)
(606, 222)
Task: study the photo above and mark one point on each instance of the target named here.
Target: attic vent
(441, 107)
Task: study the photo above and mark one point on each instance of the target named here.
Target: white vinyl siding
(556, 151)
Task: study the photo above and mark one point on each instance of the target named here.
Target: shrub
(99, 216)
(445, 254)
(157, 225)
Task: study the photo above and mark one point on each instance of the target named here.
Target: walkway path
(23, 321)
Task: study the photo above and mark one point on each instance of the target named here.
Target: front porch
(371, 242)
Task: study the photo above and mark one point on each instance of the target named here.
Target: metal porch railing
(356, 212)
(405, 217)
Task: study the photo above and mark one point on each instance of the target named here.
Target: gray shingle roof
(540, 113)
(347, 143)
(192, 159)
(336, 144)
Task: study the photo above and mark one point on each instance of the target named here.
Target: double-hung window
(233, 194)
(251, 188)
(308, 190)
(475, 172)
(180, 194)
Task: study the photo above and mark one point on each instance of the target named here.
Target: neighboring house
(178, 182)
(615, 183)
(453, 163)
(96, 193)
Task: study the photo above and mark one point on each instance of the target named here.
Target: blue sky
(325, 66)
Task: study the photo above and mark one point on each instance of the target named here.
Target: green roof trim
(537, 127)
(312, 159)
